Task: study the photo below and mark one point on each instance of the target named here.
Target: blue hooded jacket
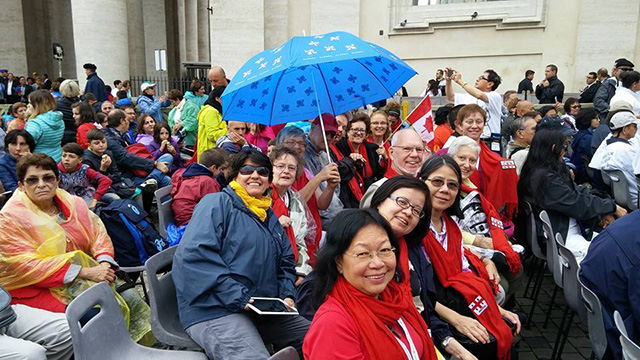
(47, 130)
(226, 256)
(611, 270)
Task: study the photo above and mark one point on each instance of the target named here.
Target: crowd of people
(389, 247)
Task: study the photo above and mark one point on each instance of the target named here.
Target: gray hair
(394, 138)
(461, 141)
(69, 88)
(287, 132)
(518, 124)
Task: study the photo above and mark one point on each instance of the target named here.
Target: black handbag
(7, 315)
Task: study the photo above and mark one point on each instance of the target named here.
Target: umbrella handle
(324, 135)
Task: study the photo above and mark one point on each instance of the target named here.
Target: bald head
(523, 107)
(217, 77)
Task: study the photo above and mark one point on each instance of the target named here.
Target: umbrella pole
(324, 135)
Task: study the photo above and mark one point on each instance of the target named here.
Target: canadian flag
(421, 118)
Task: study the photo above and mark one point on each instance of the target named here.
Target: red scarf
(476, 290)
(497, 178)
(362, 150)
(356, 184)
(498, 236)
(374, 315)
(300, 183)
(280, 208)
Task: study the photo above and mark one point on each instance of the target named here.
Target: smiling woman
(366, 312)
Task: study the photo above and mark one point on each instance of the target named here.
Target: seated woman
(17, 144)
(404, 202)
(146, 125)
(481, 225)
(379, 134)
(571, 109)
(45, 124)
(164, 143)
(84, 117)
(496, 177)
(367, 169)
(53, 248)
(546, 184)
(234, 249)
(463, 285)
(182, 118)
(291, 209)
(586, 122)
(259, 136)
(366, 311)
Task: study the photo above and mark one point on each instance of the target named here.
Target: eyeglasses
(453, 186)
(34, 180)
(576, 106)
(282, 167)
(249, 169)
(481, 77)
(368, 256)
(293, 143)
(358, 131)
(404, 203)
(409, 150)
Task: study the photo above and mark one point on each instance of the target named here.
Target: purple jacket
(154, 148)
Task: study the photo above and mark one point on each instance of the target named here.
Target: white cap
(145, 85)
(622, 119)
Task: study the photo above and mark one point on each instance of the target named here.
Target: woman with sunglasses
(53, 247)
(366, 169)
(234, 249)
(462, 282)
(364, 308)
(290, 207)
(404, 202)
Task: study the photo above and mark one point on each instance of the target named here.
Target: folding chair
(537, 272)
(165, 212)
(105, 336)
(597, 334)
(630, 350)
(620, 189)
(165, 322)
(553, 261)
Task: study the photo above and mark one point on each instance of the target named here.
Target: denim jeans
(162, 179)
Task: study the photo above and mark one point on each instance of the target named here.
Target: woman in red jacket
(84, 116)
(366, 312)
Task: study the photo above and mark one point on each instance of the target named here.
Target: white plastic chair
(630, 350)
(165, 211)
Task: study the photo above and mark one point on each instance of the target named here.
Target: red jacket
(190, 185)
(81, 134)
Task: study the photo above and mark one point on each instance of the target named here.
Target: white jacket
(621, 155)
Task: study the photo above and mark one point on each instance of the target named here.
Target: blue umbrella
(308, 75)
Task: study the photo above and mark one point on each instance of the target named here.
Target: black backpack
(132, 233)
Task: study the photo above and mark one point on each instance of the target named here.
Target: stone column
(204, 51)
(104, 43)
(14, 50)
(62, 33)
(135, 29)
(182, 32)
(191, 27)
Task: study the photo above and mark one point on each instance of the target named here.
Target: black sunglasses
(249, 169)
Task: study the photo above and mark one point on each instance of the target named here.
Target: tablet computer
(271, 306)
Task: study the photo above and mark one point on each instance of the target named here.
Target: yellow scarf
(258, 206)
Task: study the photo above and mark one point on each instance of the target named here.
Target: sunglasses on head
(249, 169)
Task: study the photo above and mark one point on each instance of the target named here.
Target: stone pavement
(536, 343)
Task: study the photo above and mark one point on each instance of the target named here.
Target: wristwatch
(446, 341)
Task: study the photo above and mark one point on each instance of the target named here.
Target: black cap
(555, 123)
(622, 62)
(90, 66)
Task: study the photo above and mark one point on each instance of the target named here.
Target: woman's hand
(472, 329)
(98, 273)
(483, 242)
(492, 270)
(176, 128)
(456, 349)
(357, 157)
(513, 318)
(285, 221)
(381, 151)
(329, 172)
(620, 211)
